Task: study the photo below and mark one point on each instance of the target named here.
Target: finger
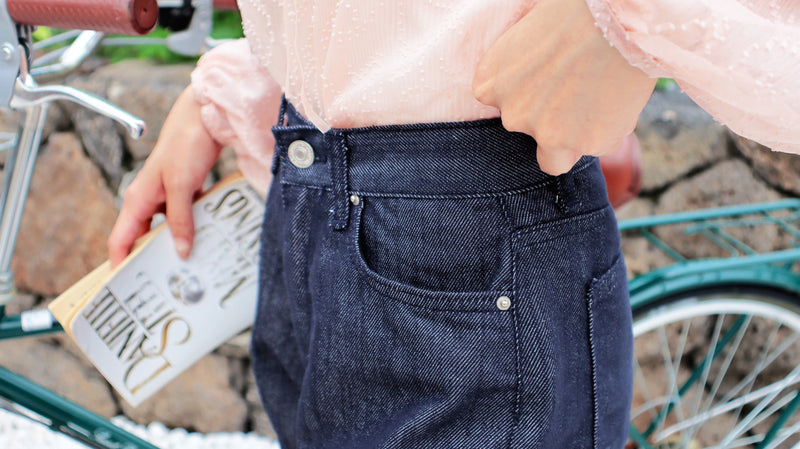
(126, 231)
(135, 216)
(179, 216)
(558, 161)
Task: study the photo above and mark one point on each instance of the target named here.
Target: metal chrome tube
(16, 181)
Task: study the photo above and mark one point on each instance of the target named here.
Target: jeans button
(301, 154)
(504, 303)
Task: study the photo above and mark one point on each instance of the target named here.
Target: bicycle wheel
(717, 367)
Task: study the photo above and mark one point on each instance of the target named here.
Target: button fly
(301, 154)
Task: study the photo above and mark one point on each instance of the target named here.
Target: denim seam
(593, 356)
(457, 196)
(518, 373)
(510, 228)
(593, 215)
(305, 186)
(340, 167)
(517, 348)
(379, 283)
(591, 303)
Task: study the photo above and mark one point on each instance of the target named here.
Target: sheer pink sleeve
(738, 59)
(240, 103)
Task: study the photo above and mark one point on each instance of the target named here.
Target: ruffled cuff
(239, 105)
(736, 59)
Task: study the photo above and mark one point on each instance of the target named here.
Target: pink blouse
(368, 62)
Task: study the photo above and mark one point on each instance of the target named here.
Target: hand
(169, 181)
(555, 77)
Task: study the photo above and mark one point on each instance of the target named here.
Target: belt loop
(567, 193)
(335, 140)
(276, 152)
(282, 111)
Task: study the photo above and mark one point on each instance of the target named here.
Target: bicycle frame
(27, 397)
(743, 264)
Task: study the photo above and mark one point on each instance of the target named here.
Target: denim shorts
(428, 286)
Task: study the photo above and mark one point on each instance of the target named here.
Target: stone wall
(86, 161)
(84, 164)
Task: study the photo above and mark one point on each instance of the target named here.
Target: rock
(237, 347)
(727, 183)
(200, 399)
(20, 303)
(640, 256)
(66, 221)
(781, 170)
(145, 90)
(99, 134)
(259, 420)
(102, 141)
(638, 207)
(58, 370)
(677, 137)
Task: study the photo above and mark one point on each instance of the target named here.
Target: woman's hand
(169, 181)
(555, 77)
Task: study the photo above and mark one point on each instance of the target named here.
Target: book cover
(149, 319)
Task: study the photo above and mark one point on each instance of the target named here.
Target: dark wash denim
(379, 324)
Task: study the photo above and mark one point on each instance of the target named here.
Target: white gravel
(17, 432)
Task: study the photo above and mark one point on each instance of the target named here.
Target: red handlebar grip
(109, 16)
(226, 5)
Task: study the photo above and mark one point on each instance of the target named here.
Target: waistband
(429, 160)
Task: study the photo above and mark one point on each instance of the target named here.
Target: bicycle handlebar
(110, 16)
(226, 5)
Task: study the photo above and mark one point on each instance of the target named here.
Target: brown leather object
(109, 16)
(226, 5)
(623, 172)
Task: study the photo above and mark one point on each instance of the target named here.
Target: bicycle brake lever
(27, 94)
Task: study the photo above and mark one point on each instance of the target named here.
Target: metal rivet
(7, 51)
(354, 199)
(504, 303)
(301, 154)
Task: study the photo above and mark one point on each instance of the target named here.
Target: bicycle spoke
(731, 351)
(784, 435)
(750, 378)
(640, 379)
(792, 378)
(762, 363)
(714, 346)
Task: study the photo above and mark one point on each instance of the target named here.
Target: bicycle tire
(717, 367)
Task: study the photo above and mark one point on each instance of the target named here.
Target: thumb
(556, 161)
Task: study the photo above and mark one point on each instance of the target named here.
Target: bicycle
(677, 299)
(720, 322)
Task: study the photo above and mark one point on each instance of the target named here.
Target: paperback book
(151, 317)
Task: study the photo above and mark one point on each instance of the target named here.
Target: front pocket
(441, 254)
(611, 342)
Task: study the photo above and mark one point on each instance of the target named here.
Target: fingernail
(183, 247)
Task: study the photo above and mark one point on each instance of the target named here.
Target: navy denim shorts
(428, 286)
